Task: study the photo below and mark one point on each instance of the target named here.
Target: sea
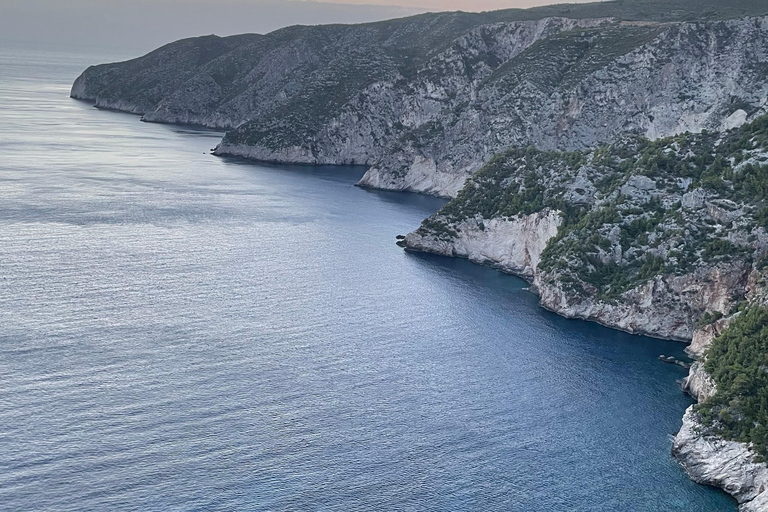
(183, 332)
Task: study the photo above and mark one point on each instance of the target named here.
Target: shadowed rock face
(427, 100)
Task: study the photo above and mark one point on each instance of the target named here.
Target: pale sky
(458, 5)
(142, 25)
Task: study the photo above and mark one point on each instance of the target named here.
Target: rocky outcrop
(660, 308)
(710, 460)
(698, 383)
(704, 336)
(637, 248)
(664, 81)
(707, 458)
(512, 245)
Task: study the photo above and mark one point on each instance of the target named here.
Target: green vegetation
(738, 363)
(320, 99)
(492, 193)
(566, 58)
(709, 318)
(626, 216)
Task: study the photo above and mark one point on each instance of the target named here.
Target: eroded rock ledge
(511, 245)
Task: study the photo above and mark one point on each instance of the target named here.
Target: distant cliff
(425, 101)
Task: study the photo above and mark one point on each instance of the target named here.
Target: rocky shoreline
(708, 460)
(426, 102)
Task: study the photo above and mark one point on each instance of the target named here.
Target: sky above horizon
(458, 5)
(142, 25)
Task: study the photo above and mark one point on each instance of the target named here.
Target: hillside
(659, 232)
(427, 100)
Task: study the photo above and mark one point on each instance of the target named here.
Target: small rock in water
(671, 359)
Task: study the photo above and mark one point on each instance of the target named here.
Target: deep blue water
(180, 332)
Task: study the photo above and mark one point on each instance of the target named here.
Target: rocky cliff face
(512, 245)
(698, 383)
(599, 84)
(665, 307)
(650, 236)
(426, 101)
(147, 84)
(491, 90)
(656, 308)
(710, 460)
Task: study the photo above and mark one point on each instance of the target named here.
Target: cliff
(512, 245)
(573, 90)
(706, 449)
(643, 236)
(665, 238)
(426, 101)
(711, 460)
(629, 184)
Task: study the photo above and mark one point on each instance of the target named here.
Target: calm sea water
(180, 332)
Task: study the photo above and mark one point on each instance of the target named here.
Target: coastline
(708, 460)
(737, 475)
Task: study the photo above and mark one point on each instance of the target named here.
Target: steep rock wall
(428, 134)
(426, 101)
(512, 245)
(708, 459)
(729, 465)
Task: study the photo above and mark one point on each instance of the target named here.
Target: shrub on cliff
(738, 363)
(633, 210)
